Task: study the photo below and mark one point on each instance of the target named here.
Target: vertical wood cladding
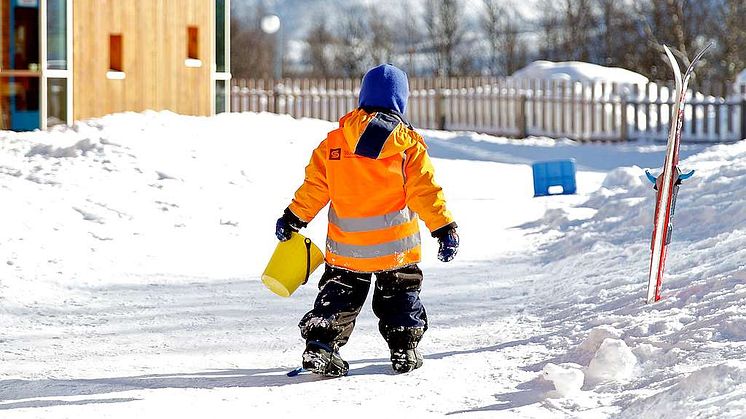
(154, 49)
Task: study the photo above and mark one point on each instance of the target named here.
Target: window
(22, 38)
(193, 42)
(192, 59)
(221, 60)
(115, 53)
(56, 34)
(56, 101)
(4, 44)
(220, 96)
(220, 26)
(116, 63)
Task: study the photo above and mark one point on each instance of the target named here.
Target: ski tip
(703, 50)
(296, 372)
(674, 66)
(651, 177)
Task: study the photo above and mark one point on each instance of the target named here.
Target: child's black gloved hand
(448, 242)
(287, 224)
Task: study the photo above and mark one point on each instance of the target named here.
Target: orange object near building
(377, 174)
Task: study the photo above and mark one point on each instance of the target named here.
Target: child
(377, 174)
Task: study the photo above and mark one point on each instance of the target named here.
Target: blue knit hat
(386, 87)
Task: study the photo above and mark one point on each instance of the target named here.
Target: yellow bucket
(291, 264)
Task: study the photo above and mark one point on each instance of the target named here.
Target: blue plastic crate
(554, 177)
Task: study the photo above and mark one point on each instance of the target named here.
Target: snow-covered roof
(577, 70)
(740, 82)
(741, 77)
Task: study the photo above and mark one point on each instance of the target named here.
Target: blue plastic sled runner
(555, 177)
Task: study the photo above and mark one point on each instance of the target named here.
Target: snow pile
(578, 71)
(624, 178)
(613, 361)
(567, 378)
(715, 391)
(169, 186)
(586, 351)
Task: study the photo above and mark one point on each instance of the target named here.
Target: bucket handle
(307, 241)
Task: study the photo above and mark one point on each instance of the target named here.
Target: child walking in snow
(376, 172)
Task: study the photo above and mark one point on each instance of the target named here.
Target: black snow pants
(396, 303)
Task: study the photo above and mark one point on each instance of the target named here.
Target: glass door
(35, 63)
(20, 71)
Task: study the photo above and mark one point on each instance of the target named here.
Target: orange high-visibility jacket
(377, 174)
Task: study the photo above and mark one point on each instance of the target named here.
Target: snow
(714, 391)
(567, 378)
(132, 248)
(578, 71)
(613, 361)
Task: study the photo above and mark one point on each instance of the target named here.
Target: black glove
(448, 242)
(288, 224)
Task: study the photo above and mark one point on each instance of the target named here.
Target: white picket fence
(582, 111)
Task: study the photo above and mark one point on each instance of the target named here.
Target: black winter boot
(322, 359)
(406, 359)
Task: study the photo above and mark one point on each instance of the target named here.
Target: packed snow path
(132, 246)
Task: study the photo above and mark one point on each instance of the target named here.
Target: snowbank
(578, 71)
(740, 83)
(716, 391)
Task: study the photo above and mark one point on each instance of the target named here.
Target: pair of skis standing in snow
(667, 183)
(375, 171)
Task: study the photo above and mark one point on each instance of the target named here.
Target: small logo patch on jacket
(335, 154)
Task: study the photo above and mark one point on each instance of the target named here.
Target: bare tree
(320, 52)
(351, 51)
(727, 57)
(382, 37)
(619, 36)
(731, 38)
(501, 26)
(443, 20)
(579, 28)
(409, 39)
(550, 25)
(252, 51)
(676, 23)
(569, 29)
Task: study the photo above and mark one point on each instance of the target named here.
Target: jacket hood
(385, 86)
(377, 135)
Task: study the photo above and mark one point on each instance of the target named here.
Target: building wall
(154, 42)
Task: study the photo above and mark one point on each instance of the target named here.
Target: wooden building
(65, 60)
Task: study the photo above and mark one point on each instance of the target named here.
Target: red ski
(667, 183)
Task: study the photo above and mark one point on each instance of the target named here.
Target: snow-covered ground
(131, 248)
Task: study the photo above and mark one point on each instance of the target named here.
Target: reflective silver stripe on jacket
(375, 250)
(376, 222)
